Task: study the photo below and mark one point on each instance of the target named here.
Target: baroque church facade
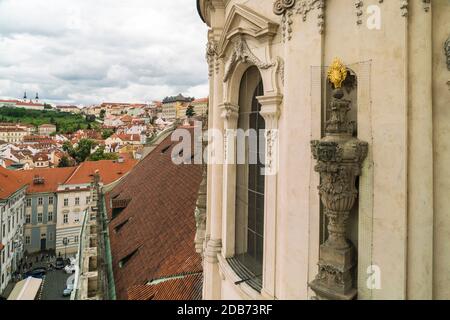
(353, 98)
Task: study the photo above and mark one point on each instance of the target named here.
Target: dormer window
(118, 205)
(126, 259)
(121, 225)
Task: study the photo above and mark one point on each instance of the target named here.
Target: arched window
(250, 180)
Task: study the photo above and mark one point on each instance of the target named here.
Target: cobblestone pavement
(54, 285)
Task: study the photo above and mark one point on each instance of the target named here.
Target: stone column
(339, 157)
(200, 210)
(270, 111)
(214, 246)
(230, 114)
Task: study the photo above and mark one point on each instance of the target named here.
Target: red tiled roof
(203, 100)
(40, 157)
(187, 287)
(158, 221)
(12, 129)
(67, 107)
(51, 178)
(9, 183)
(31, 104)
(109, 171)
(127, 137)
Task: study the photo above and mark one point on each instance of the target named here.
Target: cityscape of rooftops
(223, 151)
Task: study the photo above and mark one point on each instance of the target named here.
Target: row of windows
(40, 217)
(77, 201)
(66, 218)
(40, 201)
(12, 202)
(8, 251)
(10, 224)
(67, 241)
(43, 236)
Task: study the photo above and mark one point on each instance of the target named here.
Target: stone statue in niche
(339, 158)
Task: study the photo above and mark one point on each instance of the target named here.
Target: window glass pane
(250, 179)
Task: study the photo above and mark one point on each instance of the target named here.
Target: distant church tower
(25, 96)
(37, 97)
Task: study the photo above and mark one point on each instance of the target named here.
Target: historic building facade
(12, 196)
(352, 97)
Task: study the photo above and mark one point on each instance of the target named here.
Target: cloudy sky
(89, 51)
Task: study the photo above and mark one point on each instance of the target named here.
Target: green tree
(64, 162)
(100, 154)
(107, 133)
(82, 151)
(102, 114)
(190, 112)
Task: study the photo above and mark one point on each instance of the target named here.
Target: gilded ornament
(337, 73)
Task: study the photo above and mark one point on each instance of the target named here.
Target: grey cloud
(90, 51)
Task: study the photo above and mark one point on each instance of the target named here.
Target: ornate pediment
(244, 21)
(242, 53)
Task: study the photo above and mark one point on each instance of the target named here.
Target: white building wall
(12, 213)
(72, 228)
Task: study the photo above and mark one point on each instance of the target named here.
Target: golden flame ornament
(337, 73)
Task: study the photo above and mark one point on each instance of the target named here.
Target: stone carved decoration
(359, 5)
(211, 56)
(200, 210)
(271, 136)
(287, 8)
(447, 52)
(230, 113)
(242, 53)
(404, 6)
(339, 159)
(426, 5)
(280, 69)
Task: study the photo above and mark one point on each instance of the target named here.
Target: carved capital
(271, 109)
(230, 113)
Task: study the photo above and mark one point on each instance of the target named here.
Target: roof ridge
(73, 173)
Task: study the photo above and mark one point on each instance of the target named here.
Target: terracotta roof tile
(9, 183)
(51, 178)
(109, 171)
(158, 221)
(187, 287)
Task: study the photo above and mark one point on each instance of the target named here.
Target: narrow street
(54, 285)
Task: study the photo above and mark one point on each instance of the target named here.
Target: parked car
(60, 264)
(69, 269)
(38, 273)
(67, 292)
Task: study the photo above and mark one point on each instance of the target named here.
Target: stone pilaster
(230, 114)
(270, 111)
